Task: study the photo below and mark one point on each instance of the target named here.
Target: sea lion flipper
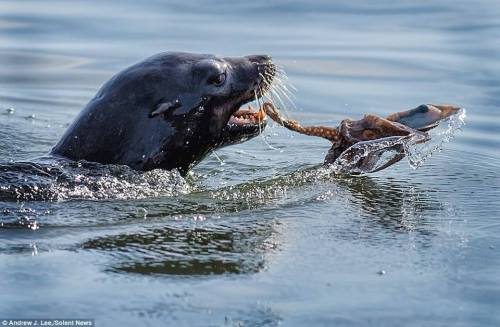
(424, 117)
(164, 107)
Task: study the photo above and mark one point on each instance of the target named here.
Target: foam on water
(291, 242)
(56, 180)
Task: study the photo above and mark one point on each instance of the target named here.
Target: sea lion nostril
(191, 114)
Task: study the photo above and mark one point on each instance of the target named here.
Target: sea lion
(410, 123)
(169, 111)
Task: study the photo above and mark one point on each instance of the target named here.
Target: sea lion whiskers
(281, 83)
(272, 100)
(275, 88)
(260, 107)
(261, 113)
(284, 82)
(275, 94)
(280, 87)
(157, 105)
(279, 91)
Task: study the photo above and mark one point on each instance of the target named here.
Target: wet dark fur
(165, 112)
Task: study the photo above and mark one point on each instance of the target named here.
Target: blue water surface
(266, 238)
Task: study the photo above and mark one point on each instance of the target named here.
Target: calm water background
(262, 240)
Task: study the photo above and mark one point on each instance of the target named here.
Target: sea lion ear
(164, 107)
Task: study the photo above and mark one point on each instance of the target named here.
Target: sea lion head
(169, 111)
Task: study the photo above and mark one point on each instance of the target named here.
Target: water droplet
(34, 250)
(417, 154)
(199, 218)
(142, 212)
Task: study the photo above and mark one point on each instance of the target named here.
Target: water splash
(57, 180)
(417, 154)
(372, 156)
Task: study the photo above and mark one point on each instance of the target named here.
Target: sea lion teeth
(142, 119)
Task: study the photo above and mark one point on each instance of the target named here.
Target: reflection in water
(395, 205)
(215, 246)
(389, 201)
(241, 246)
(191, 250)
(166, 313)
(434, 230)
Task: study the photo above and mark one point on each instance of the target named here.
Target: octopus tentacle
(328, 133)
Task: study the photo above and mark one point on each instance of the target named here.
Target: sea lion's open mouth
(246, 123)
(248, 116)
(253, 78)
(243, 125)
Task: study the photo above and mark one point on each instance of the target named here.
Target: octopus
(410, 123)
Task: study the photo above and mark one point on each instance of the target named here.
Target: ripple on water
(188, 249)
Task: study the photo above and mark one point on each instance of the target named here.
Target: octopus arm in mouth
(411, 122)
(169, 111)
(243, 125)
(244, 117)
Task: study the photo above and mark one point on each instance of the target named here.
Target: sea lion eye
(218, 80)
